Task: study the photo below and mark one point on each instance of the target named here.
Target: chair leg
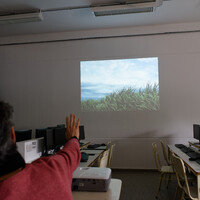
(166, 178)
(176, 192)
(179, 193)
(183, 195)
(160, 181)
(169, 179)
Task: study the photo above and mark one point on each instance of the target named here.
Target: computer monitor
(52, 127)
(59, 136)
(47, 134)
(49, 140)
(22, 135)
(60, 125)
(81, 132)
(196, 131)
(40, 132)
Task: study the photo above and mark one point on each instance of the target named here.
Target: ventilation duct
(138, 6)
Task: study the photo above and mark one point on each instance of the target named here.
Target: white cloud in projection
(101, 78)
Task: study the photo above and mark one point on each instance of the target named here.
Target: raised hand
(72, 128)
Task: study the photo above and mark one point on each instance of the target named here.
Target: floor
(142, 185)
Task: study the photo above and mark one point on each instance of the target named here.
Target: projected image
(120, 85)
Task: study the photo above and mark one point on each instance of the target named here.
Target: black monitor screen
(22, 135)
(40, 132)
(59, 136)
(81, 132)
(49, 139)
(196, 131)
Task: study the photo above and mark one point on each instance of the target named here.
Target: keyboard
(198, 161)
(180, 146)
(93, 146)
(194, 155)
(187, 150)
(184, 148)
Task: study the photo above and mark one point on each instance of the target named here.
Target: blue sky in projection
(100, 78)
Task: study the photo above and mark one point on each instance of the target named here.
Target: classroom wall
(42, 82)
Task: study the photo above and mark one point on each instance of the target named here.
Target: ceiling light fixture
(33, 16)
(126, 8)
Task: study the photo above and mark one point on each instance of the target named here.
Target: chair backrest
(179, 168)
(110, 155)
(108, 144)
(165, 153)
(103, 160)
(156, 156)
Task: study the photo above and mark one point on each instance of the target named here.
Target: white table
(113, 192)
(91, 158)
(98, 148)
(84, 144)
(192, 165)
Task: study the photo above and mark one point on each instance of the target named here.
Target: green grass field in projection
(126, 100)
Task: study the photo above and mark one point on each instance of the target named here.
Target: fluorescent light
(21, 17)
(127, 8)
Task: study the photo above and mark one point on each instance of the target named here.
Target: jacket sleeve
(71, 153)
(64, 162)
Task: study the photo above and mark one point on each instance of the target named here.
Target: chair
(168, 161)
(108, 144)
(103, 160)
(164, 170)
(110, 155)
(182, 179)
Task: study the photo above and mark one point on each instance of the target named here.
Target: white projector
(91, 179)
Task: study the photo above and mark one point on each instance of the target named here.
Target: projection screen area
(120, 85)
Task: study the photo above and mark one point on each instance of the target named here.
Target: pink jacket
(48, 178)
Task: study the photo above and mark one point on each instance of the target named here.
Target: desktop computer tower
(31, 149)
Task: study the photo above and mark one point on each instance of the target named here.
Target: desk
(92, 158)
(192, 165)
(194, 144)
(113, 192)
(98, 148)
(85, 144)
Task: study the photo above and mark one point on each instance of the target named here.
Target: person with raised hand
(47, 178)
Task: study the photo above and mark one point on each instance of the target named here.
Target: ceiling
(73, 15)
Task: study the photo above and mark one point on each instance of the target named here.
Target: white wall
(42, 82)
